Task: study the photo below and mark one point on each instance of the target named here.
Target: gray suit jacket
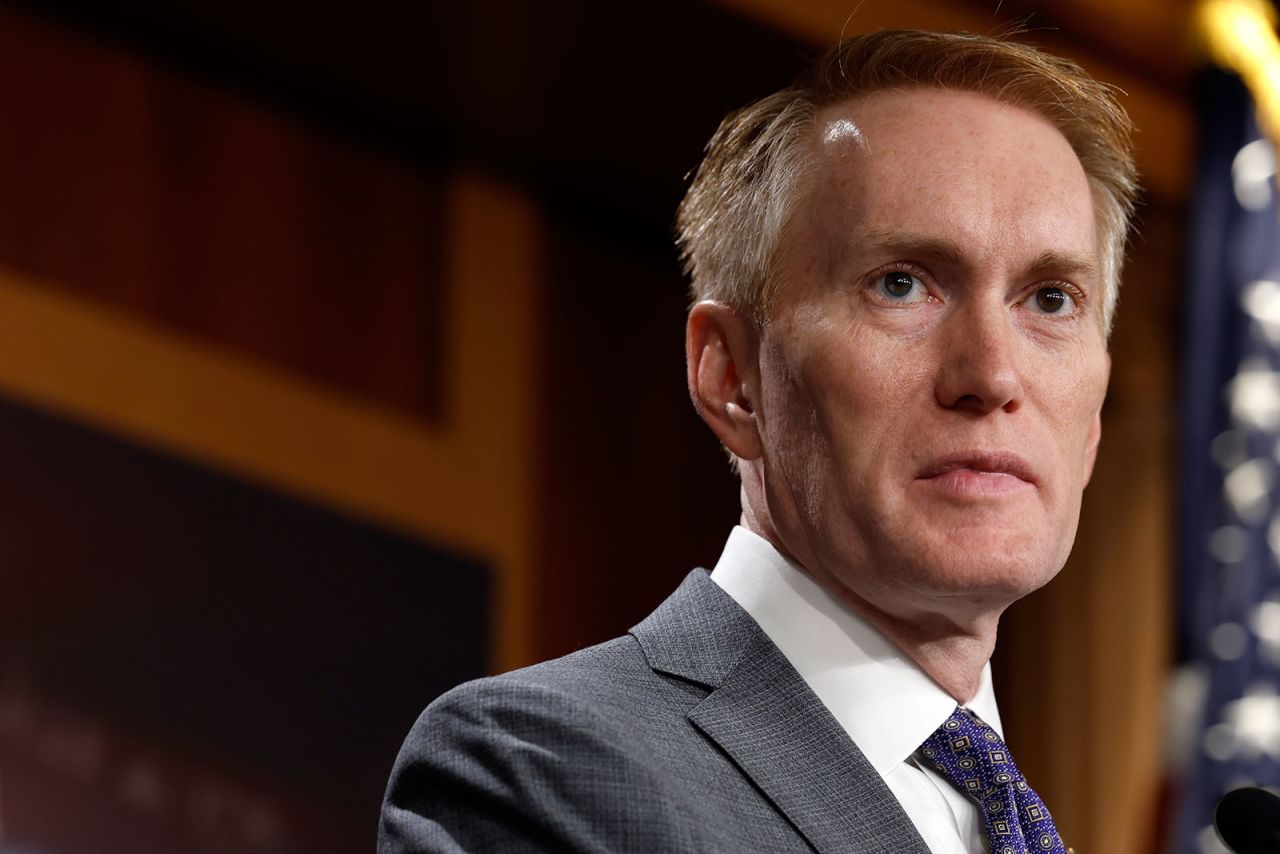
(692, 733)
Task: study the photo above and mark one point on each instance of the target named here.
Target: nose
(978, 364)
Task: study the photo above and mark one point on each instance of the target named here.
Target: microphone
(1248, 820)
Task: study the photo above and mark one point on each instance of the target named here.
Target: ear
(721, 346)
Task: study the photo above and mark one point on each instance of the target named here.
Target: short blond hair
(732, 219)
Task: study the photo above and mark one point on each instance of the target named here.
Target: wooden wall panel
(187, 271)
(635, 491)
(190, 206)
(465, 485)
(193, 269)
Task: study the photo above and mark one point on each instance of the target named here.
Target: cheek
(863, 400)
(844, 392)
(787, 414)
(1074, 407)
(874, 393)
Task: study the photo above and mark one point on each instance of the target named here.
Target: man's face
(932, 372)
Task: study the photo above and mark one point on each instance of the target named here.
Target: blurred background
(341, 360)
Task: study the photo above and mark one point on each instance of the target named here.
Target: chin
(999, 564)
(1006, 578)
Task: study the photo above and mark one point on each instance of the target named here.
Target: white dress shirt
(881, 698)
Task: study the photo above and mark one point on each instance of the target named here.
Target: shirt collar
(881, 698)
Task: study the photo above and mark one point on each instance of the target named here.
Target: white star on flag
(1254, 393)
(1255, 721)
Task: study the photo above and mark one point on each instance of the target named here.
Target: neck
(951, 642)
(953, 656)
(951, 648)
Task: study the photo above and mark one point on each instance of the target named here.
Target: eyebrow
(1062, 264)
(917, 246)
(1048, 262)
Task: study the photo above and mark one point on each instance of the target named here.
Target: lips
(979, 463)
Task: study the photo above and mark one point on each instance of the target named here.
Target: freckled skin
(857, 393)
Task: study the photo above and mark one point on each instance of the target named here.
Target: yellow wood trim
(495, 277)
(1240, 35)
(466, 484)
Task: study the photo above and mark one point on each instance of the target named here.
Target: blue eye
(1051, 300)
(901, 286)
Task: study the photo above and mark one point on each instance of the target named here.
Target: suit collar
(698, 633)
(762, 714)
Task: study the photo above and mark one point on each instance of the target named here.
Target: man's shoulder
(588, 686)
(541, 754)
(590, 700)
(691, 733)
(667, 662)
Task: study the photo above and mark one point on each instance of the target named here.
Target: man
(904, 269)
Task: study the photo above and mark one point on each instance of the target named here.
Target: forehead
(958, 166)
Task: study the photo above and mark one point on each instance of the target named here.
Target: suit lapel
(765, 717)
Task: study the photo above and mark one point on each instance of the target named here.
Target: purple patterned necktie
(973, 759)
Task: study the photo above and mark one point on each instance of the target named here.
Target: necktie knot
(971, 756)
(974, 749)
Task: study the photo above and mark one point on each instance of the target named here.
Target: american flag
(1229, 511)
